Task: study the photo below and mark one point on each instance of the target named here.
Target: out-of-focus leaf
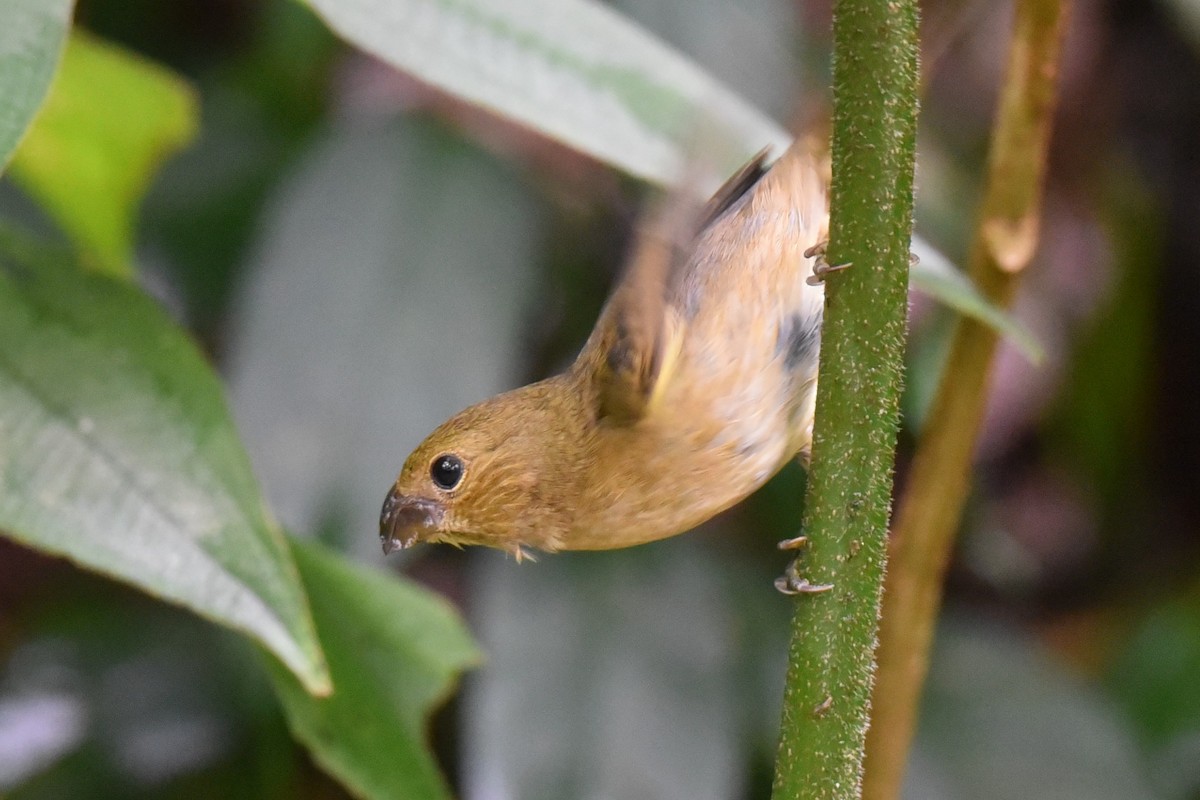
(387, 293)
(110, 120)
(31, 40)
(573, 70)
(108, 696)
(935, 276)
(394, 652)
(619, 672)
(1187, 12)
(117, 452)
(259, 110)
(753, 47)
(1154, 679)
(1001, 720)
(1106, 405)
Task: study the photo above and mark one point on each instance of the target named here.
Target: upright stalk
(928, 515)
(827, 696)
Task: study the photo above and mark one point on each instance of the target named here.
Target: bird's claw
(520, 554)
(821, 267)
(792, 582)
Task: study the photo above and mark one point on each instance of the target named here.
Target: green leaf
(394, 651)
(111, 119)
(935, 276)
(1154, 675)
(31, 40)
(117, 452)
(572, 70)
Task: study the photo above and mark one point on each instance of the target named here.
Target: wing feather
(640, 332)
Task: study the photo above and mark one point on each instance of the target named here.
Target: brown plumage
(695, 387)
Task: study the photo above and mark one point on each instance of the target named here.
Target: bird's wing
(632, 351)
(738, 184)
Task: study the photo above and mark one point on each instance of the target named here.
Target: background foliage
(359, 254)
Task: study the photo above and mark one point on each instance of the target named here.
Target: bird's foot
(793, 544)
(821, 267)
(520, 554)
(792, 582)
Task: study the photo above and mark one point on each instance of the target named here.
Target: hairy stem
(828, 690)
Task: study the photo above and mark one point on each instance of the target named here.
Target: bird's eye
(447, 471)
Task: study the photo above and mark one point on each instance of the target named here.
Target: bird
(695, 387)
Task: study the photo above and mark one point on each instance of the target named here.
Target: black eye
(446, 471)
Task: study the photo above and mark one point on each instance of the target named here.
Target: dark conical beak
(404, 521)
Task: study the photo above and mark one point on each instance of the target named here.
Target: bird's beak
(404, 521)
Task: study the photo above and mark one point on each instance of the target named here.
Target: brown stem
(928, 514)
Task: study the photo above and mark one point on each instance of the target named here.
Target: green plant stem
(928, 514)
(827, 695)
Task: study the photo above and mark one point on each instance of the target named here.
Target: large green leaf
(116, 451)
(109, 122)
(573, 70)
(395, 651)
(31, 40)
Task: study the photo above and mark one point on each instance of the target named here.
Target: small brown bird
(696, 386)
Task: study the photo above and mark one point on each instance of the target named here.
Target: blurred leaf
(935, 276)
(110, 120)
(394, 652)
(1103, 412)
(572, 70)
(261, 103)
(1001, 720)
(1187, 13)
(1154, 679)
(112, 696)
(624, 684)
(413, 257)
(928, 347)
(117, 452)
(753, 47)
(204, 208)
(31, 40)
(1157, 671)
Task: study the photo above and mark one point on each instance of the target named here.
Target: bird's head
(499, 474)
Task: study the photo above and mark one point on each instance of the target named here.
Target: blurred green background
(361, 256)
